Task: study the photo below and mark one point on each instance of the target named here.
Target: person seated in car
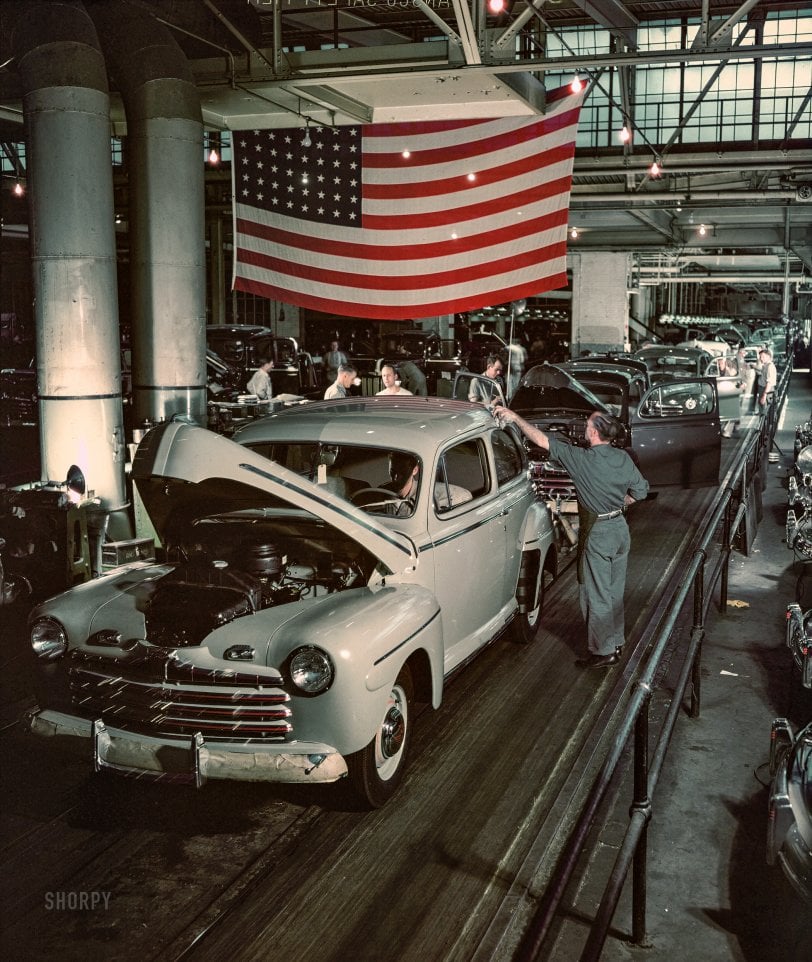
(404, 480)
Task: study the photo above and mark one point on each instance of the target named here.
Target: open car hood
(549, 389)
(183, 472)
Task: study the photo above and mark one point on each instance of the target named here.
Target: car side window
(678, 399)
(462, 475)
(507, 455)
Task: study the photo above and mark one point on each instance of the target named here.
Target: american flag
(408, 220)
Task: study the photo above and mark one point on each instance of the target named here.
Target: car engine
(208, 591)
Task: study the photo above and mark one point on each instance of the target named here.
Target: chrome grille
(170, 697)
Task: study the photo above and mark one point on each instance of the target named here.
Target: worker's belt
(609, 514)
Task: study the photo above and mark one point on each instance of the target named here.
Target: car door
(730, 382)
(675, 433)
(466, 383)
(468, 545)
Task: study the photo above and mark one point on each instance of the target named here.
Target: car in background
(735, 335)
(672, 428)
(687, 361)
(18, 397)
(303, 606)
(242, 345)
(438, 358)
(777, 338)
(480, 344)
(716, 347)
(789, 820)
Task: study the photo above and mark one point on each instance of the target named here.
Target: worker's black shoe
(600, 661)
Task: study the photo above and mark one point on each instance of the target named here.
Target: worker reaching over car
(606, 481)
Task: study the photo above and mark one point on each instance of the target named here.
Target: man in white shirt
(390, 383)
(333, 360)
(767, 377)
(260, 383)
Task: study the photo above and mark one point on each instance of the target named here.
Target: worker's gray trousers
(603, 581)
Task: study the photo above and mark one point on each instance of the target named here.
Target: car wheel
(530, 585)
(377, 770)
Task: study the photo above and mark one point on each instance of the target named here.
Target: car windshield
(610, 393)
(370, 477)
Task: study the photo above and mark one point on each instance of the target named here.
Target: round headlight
(48, 639)
(312, 670)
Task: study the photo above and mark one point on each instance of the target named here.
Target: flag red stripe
(323, 246)
(396, 312)
(459, 182)
(402, 282)
(457, 216)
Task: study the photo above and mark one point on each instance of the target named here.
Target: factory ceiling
(282, 63)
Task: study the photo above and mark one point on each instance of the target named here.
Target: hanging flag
(408, 220)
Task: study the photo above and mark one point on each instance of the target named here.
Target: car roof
(409, 423)
(607, 363)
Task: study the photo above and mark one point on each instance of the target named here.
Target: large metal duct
(73, 251)
(167, 211)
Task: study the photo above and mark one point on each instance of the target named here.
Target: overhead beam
(613, 15)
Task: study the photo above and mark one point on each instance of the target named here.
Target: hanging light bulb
(574, 233)
(576, 86)
(702, 230)
(655, 170)
(306, 141)
(19, 190)
(214, 157)
(625, 135)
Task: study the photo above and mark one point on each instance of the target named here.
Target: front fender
(369, 635)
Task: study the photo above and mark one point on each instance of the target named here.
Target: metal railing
(736, 496)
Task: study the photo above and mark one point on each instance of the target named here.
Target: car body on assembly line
(789, 826)
(671, 427)
(686, 361)
(303, 605)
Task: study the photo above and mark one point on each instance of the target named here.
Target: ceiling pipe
(634, 200)
(724, 279)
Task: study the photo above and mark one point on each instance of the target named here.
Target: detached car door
(675, 433)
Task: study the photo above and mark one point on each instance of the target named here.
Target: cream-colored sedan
(319, 575)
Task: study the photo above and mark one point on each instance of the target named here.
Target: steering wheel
(370, 497)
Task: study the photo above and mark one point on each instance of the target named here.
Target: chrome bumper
(190, 760)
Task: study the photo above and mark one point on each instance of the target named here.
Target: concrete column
(600, 314)
(73, 251)
(167, 242)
